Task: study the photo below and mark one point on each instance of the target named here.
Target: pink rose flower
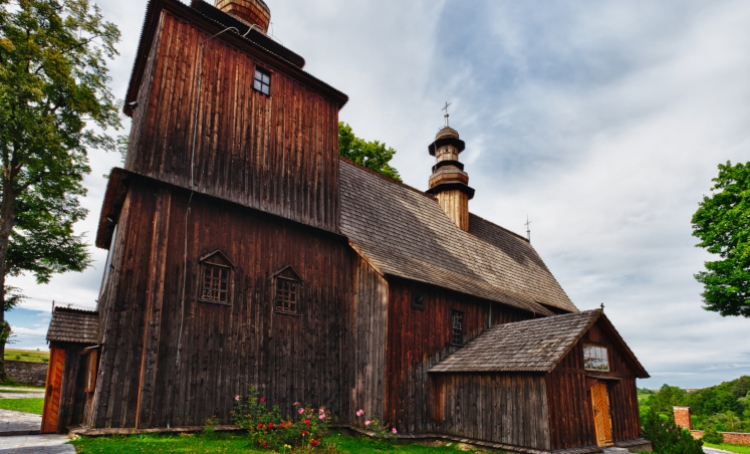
(360, 412)
(237, 397)
(322, 416)
(394, 431)
(301, 410)
(368, 422)
(296, 404)
(321, 411)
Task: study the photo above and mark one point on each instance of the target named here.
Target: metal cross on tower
(528, 228)
(447, 104)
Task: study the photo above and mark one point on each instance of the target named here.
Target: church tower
(449, 183)
(252, 12)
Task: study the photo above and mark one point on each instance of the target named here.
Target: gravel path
(16, 421)
(28, 444)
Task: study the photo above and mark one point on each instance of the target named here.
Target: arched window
(216, 278)
(287, 289)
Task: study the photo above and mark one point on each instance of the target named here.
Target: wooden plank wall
(72, 395)
(222, 349)
(569, 398)
(502, 408)
(419, 339)
(370, 314)
(278, 154)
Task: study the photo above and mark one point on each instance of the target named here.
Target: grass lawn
(731, 448)
(30, 405)
(28, 356)
(226, 443)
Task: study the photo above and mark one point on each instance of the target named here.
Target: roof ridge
(387, 178)
(500, 227)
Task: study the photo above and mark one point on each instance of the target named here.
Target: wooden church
(244, 251)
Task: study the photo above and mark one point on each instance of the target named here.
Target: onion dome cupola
(449, 183)
(252, 12)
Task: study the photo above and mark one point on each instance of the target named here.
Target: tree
(53, 86)
(722, 223)
(373, 155)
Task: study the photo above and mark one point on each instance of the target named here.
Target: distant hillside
(28, 356)
(725, 407)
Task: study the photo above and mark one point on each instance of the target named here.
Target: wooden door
(602, 417)
(54, 387)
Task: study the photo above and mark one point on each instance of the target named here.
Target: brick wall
(27, 373)
(733, 438)
(682, 417)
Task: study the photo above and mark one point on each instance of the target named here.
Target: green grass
(226, 443)
(29, 405)
(28, 356)
(731, 448)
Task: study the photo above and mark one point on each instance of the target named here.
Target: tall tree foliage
(722, 223)
(53, 85)
(373, 155)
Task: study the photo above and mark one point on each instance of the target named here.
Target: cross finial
(447, 104)
(602, 306)
(528, 228)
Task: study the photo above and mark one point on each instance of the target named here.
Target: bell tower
(449, 183)
(251, 12)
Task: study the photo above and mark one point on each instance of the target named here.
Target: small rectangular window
(457, 332)
(262, 82)
(417, 301)
(595, 358)
(215, 283)
(286, 295)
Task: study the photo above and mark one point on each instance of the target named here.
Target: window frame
(454, 315)
(287, 274)
(92, 363)
(209, 260)
(605, 367)
(417, 301)
(266, 84)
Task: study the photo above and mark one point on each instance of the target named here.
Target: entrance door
(602, 418)
(54, 388)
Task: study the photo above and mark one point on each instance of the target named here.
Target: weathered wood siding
(167, 363)
(502, 408)
(275, 153)
(370, 314)
(419, 339)
(72, 395)
(569, 396)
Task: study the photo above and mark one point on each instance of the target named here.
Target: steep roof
(74, 326)
(404, 232)
(535, 345)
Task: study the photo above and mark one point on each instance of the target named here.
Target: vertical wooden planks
(275, 153)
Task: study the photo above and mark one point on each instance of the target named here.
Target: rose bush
(267, 429)
(377, 427)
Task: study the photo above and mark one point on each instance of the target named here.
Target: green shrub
(711, 435)
(667, 438)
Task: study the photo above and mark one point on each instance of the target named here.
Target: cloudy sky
(602, 121)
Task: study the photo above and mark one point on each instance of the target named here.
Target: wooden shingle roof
(529, 346)
(536, 345)
(73, 326)
(404, 232)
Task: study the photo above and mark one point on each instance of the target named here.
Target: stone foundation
(27, 373)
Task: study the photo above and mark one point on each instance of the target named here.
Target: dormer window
(262, 82)
(216, 278)
(288, 286)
